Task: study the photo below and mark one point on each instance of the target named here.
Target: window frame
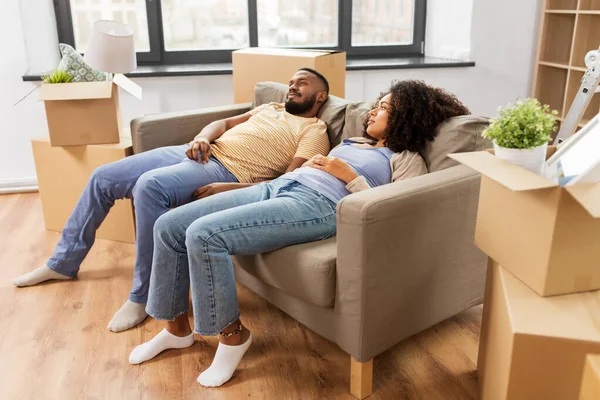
(158, 56)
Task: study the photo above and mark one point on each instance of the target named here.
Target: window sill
(146, 71)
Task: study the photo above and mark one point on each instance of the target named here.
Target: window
(206, 31)
(190, 25)
(300, 23)
(130, 12)
(382, 23)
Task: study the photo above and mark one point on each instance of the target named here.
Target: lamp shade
(111, 48)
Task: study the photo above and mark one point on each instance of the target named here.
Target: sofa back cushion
(456, 135)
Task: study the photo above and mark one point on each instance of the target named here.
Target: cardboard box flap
(286, 52)
(76, 91)
(588, 195)
(512, 176)
(128, 85)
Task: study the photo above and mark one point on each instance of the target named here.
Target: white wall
(501, 40)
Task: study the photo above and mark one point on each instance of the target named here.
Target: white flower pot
(530, 159)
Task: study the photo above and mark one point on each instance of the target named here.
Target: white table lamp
(111, 48)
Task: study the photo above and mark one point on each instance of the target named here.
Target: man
(227, 154)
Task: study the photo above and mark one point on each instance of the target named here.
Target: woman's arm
(407, 165)
(334, 166)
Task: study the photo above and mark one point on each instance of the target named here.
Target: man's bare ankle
(178, 331)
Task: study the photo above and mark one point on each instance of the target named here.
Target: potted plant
(521, 133)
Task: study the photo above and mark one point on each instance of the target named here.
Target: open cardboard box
(546, 235)
(534, 347)
(590, 383)
(258, 64)
(83, 113)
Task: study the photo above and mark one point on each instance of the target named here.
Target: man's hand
(199, 150)
(214, 188)
(334, 166)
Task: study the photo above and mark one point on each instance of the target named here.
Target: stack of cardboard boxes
(85, 132)
(541, 314)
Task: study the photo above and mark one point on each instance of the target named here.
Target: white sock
(128, 316)
(39, 275)
(165, 340)
(224, 364)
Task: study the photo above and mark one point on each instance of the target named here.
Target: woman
(193, 243)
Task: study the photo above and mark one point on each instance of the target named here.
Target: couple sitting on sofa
(190, 247)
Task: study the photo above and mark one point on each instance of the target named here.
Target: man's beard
(295, 108)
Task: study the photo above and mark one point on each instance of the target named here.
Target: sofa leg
(361, 378)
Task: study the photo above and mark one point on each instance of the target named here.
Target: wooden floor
(54, 342)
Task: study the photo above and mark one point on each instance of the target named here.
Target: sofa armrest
(153, 131)
(406, 258)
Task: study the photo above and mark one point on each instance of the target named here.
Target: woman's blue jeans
(193, 245)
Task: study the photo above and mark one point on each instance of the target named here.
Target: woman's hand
(334, 166)
(199, 150)
(214, 188)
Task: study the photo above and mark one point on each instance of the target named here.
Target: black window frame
(158, 56)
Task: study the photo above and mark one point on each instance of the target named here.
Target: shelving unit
(568, 30)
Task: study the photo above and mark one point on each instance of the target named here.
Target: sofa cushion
(457, 135)
(332, 112)
(354, 119)
(269, 92)
(306, 270)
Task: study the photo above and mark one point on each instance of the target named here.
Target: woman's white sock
(224, 364)
(165, 340)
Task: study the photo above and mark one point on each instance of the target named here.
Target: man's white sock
(224, 364)
(165, 340)
(128, 316)
(38, 275)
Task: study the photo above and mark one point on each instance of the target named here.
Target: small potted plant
(521, 133)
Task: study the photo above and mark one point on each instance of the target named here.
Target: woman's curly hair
(417, 109)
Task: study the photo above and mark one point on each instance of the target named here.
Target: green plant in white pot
(521, 133)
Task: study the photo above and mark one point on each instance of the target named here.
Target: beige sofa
(403, 258)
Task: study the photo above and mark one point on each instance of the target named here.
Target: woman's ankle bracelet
(235, 332)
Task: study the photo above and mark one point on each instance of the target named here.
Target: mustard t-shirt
(263, 147)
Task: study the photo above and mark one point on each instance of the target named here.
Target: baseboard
(23, 185)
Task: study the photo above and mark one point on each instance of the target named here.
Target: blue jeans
(193, 245)
(157, 180)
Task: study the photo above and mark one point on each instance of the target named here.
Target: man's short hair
(318, 75)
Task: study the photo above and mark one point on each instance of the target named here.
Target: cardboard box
(256, 64)
(590, 383)
(63, 173)
(85, 112)
(534, 347)
(548, 236)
